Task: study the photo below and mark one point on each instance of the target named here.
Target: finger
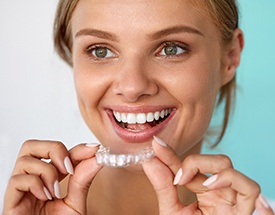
(82, 152)
(54, 150)
(86, 168)
(21, 185)
(166, 154)
(247, 189)
(192, 180)
(263, 207)
(32, 166)
(161, 178)
(205, 164)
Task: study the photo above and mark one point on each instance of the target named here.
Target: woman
(147, 73)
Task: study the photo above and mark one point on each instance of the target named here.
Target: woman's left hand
(227, 191)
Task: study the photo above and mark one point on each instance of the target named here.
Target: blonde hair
(224, 14)
(62, 29)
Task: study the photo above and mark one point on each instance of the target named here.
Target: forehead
(140, 15)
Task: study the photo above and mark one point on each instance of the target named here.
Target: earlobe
(233, 56)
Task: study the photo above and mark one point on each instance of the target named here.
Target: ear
(233, 56)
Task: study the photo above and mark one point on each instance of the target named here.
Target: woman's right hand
(34, 185)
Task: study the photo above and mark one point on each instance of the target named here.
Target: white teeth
(141, 118)
(162, 113)
(156, 115)
(123, 117)
(117, 116)
(150, 117)
(131, 118)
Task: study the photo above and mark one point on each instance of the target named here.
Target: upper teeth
(140, 118)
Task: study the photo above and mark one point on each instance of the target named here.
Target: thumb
(85, 170)
(263, 207)
(161, 178)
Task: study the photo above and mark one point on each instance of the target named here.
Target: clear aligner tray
(104, 157)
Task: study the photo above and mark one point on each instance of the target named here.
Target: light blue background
(37, 96)
(250, 139)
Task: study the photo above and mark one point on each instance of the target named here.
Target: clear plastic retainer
(104, 157)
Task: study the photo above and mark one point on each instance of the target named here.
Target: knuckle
(57, 146)
(190, 163)
(256, 190)
(28, 143)
(224, 160)
(29, 165)
(13, 180)
(16, 180)
(21, 161)
(190, 159)
(20, 164)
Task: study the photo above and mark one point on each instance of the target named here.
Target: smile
(136, 122)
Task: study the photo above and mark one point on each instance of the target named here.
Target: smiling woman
(147, 76)
(63, 39)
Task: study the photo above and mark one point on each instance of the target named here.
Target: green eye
(101, 52)
(172, 50)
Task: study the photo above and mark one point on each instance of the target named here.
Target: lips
(139, 126)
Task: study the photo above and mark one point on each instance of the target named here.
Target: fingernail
(178, 176)
(210, 180)
(160, 141)
(92, 145)
(47, 193)
(264, 201)
(57, 191)
(68, 165)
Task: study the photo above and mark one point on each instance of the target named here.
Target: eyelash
(183, 48)
(91, 49)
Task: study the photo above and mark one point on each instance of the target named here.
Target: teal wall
(250, 139)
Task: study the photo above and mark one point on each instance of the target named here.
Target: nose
(134, 81)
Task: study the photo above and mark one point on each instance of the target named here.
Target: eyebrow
(154, 36)
(96, 33)
(175, 30)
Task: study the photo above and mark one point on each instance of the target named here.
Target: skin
(137, 77)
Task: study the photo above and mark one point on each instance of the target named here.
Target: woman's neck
(120, 191)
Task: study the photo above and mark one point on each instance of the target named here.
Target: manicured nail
(264, 201)
(68, 165)
(160, 141)
(178, 176)
(57, 191)
(210, 180)
(92, 145)
(47, 193)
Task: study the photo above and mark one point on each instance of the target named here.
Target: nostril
(134, 91)
(134, 82)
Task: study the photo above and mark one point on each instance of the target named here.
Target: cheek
(90, 83)
(196, 85)
(90, 88)
(84, 84)
(196, 94)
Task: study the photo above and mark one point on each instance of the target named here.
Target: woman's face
(144, 68)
